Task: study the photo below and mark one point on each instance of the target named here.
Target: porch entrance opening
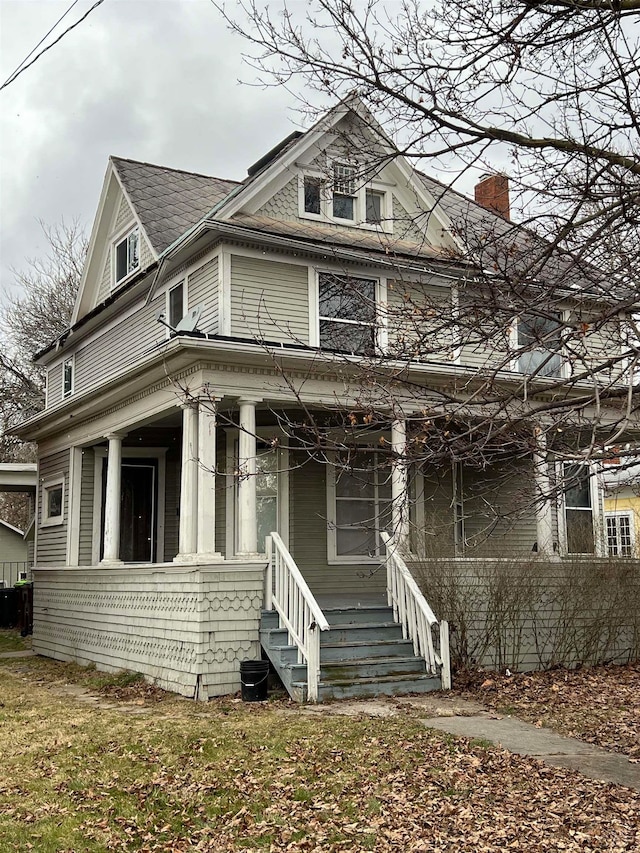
(138, 525)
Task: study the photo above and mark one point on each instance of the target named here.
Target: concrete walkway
(469, 719)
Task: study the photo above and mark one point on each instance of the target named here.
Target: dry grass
(146, 771)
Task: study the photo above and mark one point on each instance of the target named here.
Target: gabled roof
(169, 201)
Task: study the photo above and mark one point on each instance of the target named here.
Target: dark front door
(137, 510)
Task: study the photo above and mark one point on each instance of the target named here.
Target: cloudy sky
(153, 80)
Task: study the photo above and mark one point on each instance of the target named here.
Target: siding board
(203, 287)
(52, 540)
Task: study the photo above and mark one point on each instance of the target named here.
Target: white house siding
(54, 385)
(186, 629)
(308, 536)
(123, 344)
(171, 503)
(593, 347)
(52, 540)
(85, 552)
(405, 226)
(124, 217)
(432, 513)
(419, 321)
(203, 288)
(269, 300)
(284, 204)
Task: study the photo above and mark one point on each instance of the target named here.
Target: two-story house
(249, 374)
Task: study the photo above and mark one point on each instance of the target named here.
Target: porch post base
(107, 562)
(199, 559)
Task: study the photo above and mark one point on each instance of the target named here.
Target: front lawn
(144, 771)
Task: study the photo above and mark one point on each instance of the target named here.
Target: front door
(137, 510)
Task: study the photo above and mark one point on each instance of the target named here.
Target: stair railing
(286, 592)
(411, 610)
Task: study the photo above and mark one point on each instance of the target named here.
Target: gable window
(619, 534)
(578, 509)
(361, 507)
(127, 256)
(374, 206)
(312, 195)
(347, 313)
(539, 342)
(344, 191)
(175, 305)
(67, 377)
(53, 501)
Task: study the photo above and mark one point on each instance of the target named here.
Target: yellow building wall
(620, 503)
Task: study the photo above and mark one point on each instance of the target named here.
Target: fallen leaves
(598, 705)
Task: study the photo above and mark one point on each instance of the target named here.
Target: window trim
(71, 360)
(333, 558)
(599, 545)
(359, 196)
(515, 348)
(117, 241)
(380, 296)
(51, 483)
(621, 513)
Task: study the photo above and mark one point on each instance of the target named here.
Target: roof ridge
(114, 157)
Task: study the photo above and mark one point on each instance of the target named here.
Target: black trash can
(8, 607)
(253, 678)
(24, 591)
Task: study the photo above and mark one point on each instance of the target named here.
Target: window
(362, 506)
(175, 305)
(312, 195)
(347, 313)
(67, 378)
(541, 341)
(344, 191)
(127, 258)
(374, 207)
(578, 509)
(53, 501)
(619, 534)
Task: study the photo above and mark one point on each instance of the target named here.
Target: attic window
(312, 189)
(344, 191)
(127, 255)
(374, 206)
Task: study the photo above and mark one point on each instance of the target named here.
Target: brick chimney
(492, 192)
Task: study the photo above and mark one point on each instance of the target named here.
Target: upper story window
(347, 313)
(67, 377)
(175, 304)
(342, 199)
(344, 191)
(539, 342)
(127, 255)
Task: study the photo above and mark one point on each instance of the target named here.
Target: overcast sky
(153, 80)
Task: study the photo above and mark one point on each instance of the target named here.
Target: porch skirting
(185, 628)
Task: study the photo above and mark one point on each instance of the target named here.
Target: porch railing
(286, 592)
(411, 610)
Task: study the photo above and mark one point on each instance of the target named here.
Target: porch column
(544, 514)
(399, 484)
(207, 482)
(111, 549)
(188, 484)
(247, 518)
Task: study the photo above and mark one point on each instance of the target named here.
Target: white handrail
(411, 610)
(286, 592)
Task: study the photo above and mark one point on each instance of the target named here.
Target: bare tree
(39, 311)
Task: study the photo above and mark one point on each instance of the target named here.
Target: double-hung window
(127, 255)
(619, 534)
(67, 377)
(578, 509)
(362, 506)
(344, 191)
(347, 313)
(539, 343)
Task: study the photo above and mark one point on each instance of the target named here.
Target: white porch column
(399, 484)
(247, 519)
(111, 550)
(544, 514)
(207, 482)
(188, 485)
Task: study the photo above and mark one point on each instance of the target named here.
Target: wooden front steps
(362, 654)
